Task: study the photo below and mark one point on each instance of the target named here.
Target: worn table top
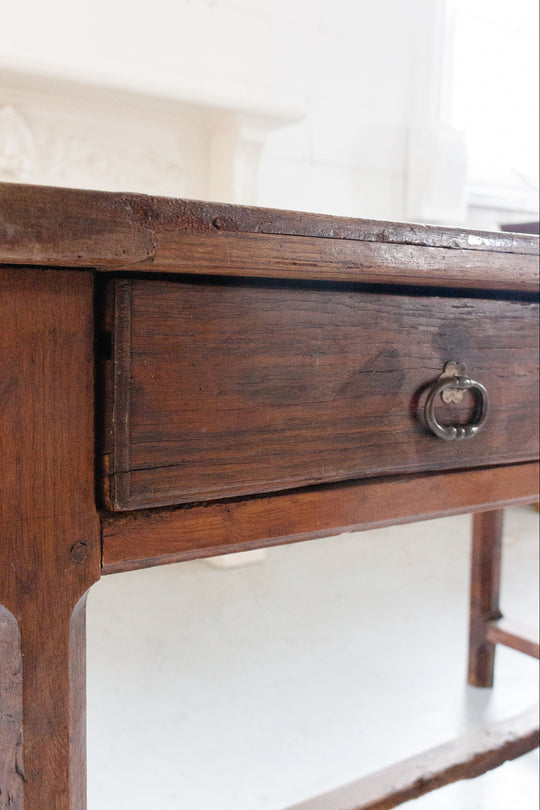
(114, 231)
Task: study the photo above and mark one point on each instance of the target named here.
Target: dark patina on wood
(47, 507)
(75, 228)
(285, 349)
(225, 387)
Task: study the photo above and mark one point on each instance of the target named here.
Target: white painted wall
(305, 104)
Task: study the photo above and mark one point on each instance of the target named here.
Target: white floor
(254, 688)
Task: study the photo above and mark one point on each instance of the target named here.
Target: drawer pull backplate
(451, 386)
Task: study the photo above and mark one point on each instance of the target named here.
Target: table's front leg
(49, 533)
(42, 707)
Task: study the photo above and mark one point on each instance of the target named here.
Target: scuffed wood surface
(49, 529)
(50, 550)
(11, 713)
(466, 757)
(194, 216)
(142, 539)
(225, 389)
(74, 228)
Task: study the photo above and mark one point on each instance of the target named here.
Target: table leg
(50, 552)
(485, 590)
(42, 711)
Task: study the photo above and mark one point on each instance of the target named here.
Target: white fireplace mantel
(154, 134)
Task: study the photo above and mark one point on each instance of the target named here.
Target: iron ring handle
(457, 432)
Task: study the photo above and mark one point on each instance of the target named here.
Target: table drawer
(219, 388)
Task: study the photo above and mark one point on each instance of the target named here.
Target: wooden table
(182, 379)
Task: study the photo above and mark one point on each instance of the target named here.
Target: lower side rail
(465, 757)
(517, 637)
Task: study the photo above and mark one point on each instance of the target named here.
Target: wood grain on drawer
(223, 387)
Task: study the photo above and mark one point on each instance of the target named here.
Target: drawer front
(223, 388)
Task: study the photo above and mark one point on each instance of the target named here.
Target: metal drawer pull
(451, 385)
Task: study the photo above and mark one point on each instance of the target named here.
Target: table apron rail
(140, 539)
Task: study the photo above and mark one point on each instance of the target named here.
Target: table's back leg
(485, 591)
(49, 534)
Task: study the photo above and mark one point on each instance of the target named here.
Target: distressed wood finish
(282, 350)
(50, 549)
(141, 539)
(464, 758)
(223, 389)
(11, 712)
(73, 228)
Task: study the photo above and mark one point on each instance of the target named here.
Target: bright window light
(493, 90)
